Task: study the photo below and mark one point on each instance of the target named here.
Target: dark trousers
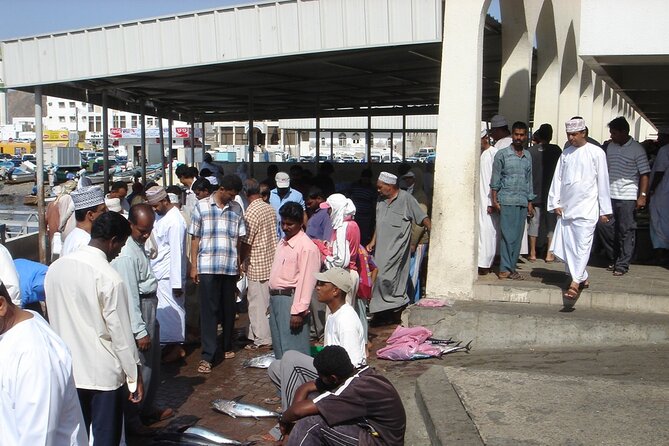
(104, 410)
(618, 235)
(217, 303)
(512, 225)
(314, 431)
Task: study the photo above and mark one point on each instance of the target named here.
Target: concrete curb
(445, 417)
(550, 295)
(514, 325)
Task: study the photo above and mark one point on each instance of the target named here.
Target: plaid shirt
(260, 221)
(218, 230)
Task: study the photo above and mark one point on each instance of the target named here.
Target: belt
(147, 295)
(286, 292)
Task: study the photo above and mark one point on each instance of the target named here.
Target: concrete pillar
(636, 129)
(39, 177)
(597, 109)
(547, 88)
(105, 141)
(452, 263)
(585, 101)
(570, 64)
(514, 89)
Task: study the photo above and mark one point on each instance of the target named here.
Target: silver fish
(214, 437)
(457, 348)
(236, 409)
(260, 362)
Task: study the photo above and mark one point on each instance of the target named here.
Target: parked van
(17, 148)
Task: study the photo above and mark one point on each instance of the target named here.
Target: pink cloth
(407, 343)
(295, 264)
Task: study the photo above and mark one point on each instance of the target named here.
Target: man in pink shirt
(291, 284)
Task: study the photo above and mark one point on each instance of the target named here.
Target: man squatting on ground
(342, 327)
(344, 407)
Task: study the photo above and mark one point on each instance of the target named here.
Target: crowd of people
(542, 198)
(126, 270)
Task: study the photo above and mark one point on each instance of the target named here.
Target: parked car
(29, 157)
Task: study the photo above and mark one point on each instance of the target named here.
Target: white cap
(282, 180)
(114, 204)
(498, 121)
(575, 125)
(388, 178)
(484, 133)
(87, 197)
(338, 277)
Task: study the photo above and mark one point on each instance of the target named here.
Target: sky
(35, 17)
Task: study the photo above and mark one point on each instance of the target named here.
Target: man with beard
(511, 195)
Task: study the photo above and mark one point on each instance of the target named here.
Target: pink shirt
(295, 263)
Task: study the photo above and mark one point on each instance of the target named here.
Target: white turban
(575, 125)
(342, 207)
(388, 178)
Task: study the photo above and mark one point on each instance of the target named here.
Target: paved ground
(644, 279)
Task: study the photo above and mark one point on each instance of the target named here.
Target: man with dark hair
(511, 195)
(216, 227)
(319, 226)
(187, 176)
(91, 315)
(629, 174)
(544, 158)
(352, 407)
(89, 203)
(363, 195)
(39, 403)
(257, 254)
(202, 188)
(134, 267)
(119, 189)
(291, 283)
(272, 170)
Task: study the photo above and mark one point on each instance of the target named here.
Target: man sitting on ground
(363, 406)
(342, 327)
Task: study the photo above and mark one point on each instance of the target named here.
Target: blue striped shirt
(218, 230)
(512, 177)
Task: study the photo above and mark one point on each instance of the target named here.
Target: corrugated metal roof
(261, 30)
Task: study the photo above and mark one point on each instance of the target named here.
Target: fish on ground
(260, 362)
(236, 409)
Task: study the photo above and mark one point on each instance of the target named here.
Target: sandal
(584, 285)
(229, 355)
(571, 293)
(272, 400)
(204, 367)
(619, 273)
(516, 276)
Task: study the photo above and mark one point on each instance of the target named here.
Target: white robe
(76, 239)
(580, 188)
(659, 203)
(169, 267)
(38, 399)
(488, 224)
(9, 277)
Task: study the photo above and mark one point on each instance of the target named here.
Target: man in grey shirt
(133, 266)
(629, 173)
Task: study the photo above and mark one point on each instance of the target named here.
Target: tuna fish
(260, 362)
(236, 409)
(188, 438)
(457, 348)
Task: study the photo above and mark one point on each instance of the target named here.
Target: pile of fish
(235, 409)
(410, 343)
(260, 362)
(195, 436)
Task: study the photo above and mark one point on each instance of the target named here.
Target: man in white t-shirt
(342, 327)
(39, 403)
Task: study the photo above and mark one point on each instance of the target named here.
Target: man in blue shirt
(31, 280)
(512, 195)
(319, 226)
(282, 194)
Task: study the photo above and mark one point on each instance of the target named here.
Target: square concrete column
(453, 249)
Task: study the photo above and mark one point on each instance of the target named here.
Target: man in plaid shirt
(216, 227)
(258, 248)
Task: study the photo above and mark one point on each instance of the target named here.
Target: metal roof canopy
(385, 62)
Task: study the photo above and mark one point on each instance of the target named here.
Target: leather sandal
(571, 293)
